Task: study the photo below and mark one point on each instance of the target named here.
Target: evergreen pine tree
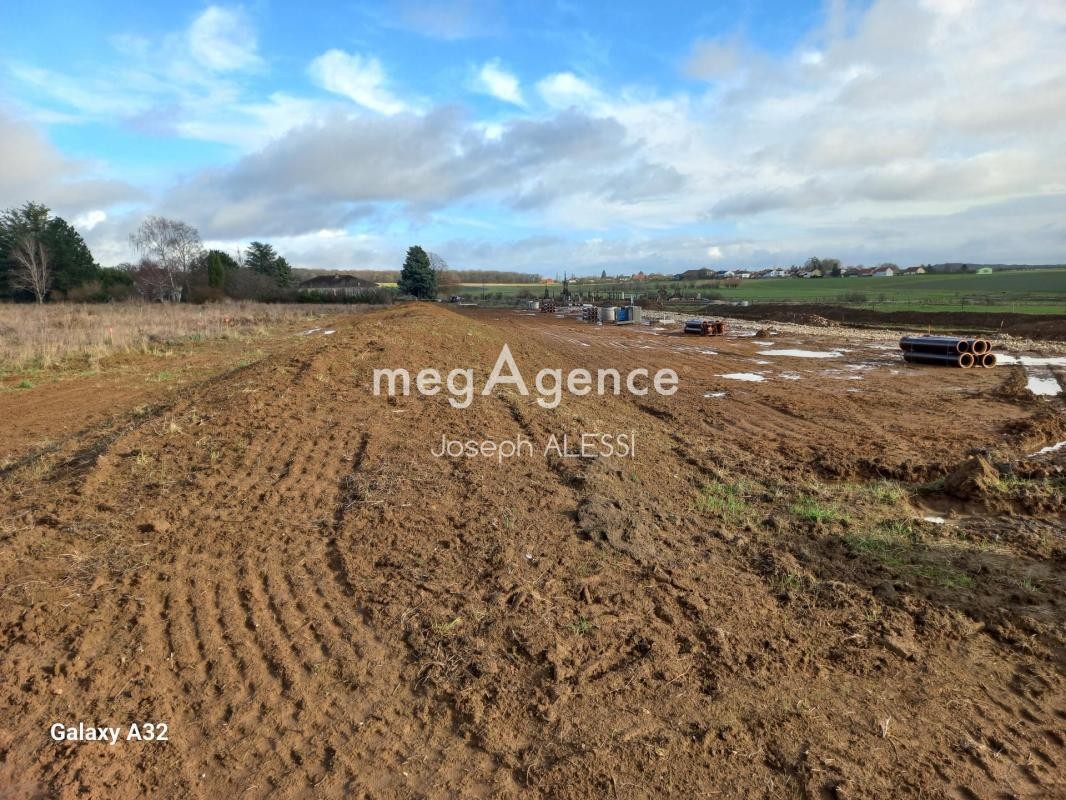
(417, 277)
(282, 271)
(260, 257)
(216, 273)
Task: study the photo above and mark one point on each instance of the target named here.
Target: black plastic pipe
(964, 360)
(935, 344)
(936, 349)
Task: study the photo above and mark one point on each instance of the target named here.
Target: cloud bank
(913, 130)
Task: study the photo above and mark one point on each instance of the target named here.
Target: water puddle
(1041, 381)
(1051, 448)
(715, 394)
(1031, 361)
(802, 353)
(743, 376)
(1043, 386)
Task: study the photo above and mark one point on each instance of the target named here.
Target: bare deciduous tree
(170, 244)
(33, 271)
(151, 280)
(447, 281)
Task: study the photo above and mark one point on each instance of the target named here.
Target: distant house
(884, 272)
(639, 276)
(913, 271)
(335, 285)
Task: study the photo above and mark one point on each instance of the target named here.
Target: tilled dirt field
(755, 605)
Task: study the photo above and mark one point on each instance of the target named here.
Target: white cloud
(187, 83)
(492, 79)
(565, 89)
(360, 79)
(223, 39)
(90, 219)
(327, 249)
(34, 170)
(888, 132)
(251, 125)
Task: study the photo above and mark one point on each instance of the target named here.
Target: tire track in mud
(234, 642)
(164, 683)
(252, 627)
(292, 602)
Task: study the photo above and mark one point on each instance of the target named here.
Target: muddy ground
(842, 581)
(1048, 327)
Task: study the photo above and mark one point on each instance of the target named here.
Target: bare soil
(1049, 327)
(274, 564)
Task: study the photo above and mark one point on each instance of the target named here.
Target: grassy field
(39, 337)
(1023, 291)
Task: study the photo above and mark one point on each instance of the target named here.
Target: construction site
(829, 569)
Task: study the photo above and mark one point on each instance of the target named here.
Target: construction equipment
(947, 351)
(702, 327)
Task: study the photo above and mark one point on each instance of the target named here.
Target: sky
(547, 136)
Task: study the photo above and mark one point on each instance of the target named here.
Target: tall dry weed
(39, 337)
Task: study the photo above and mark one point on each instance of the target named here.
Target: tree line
(460, 275)
(44, 257)
(175, 266)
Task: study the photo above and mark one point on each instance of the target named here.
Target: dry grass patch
(36, 337)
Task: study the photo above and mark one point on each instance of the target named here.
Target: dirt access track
(755, 605)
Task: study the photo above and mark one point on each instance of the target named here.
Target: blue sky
(548, 136)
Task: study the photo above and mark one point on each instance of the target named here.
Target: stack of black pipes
(947, 351)
(703, 328)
